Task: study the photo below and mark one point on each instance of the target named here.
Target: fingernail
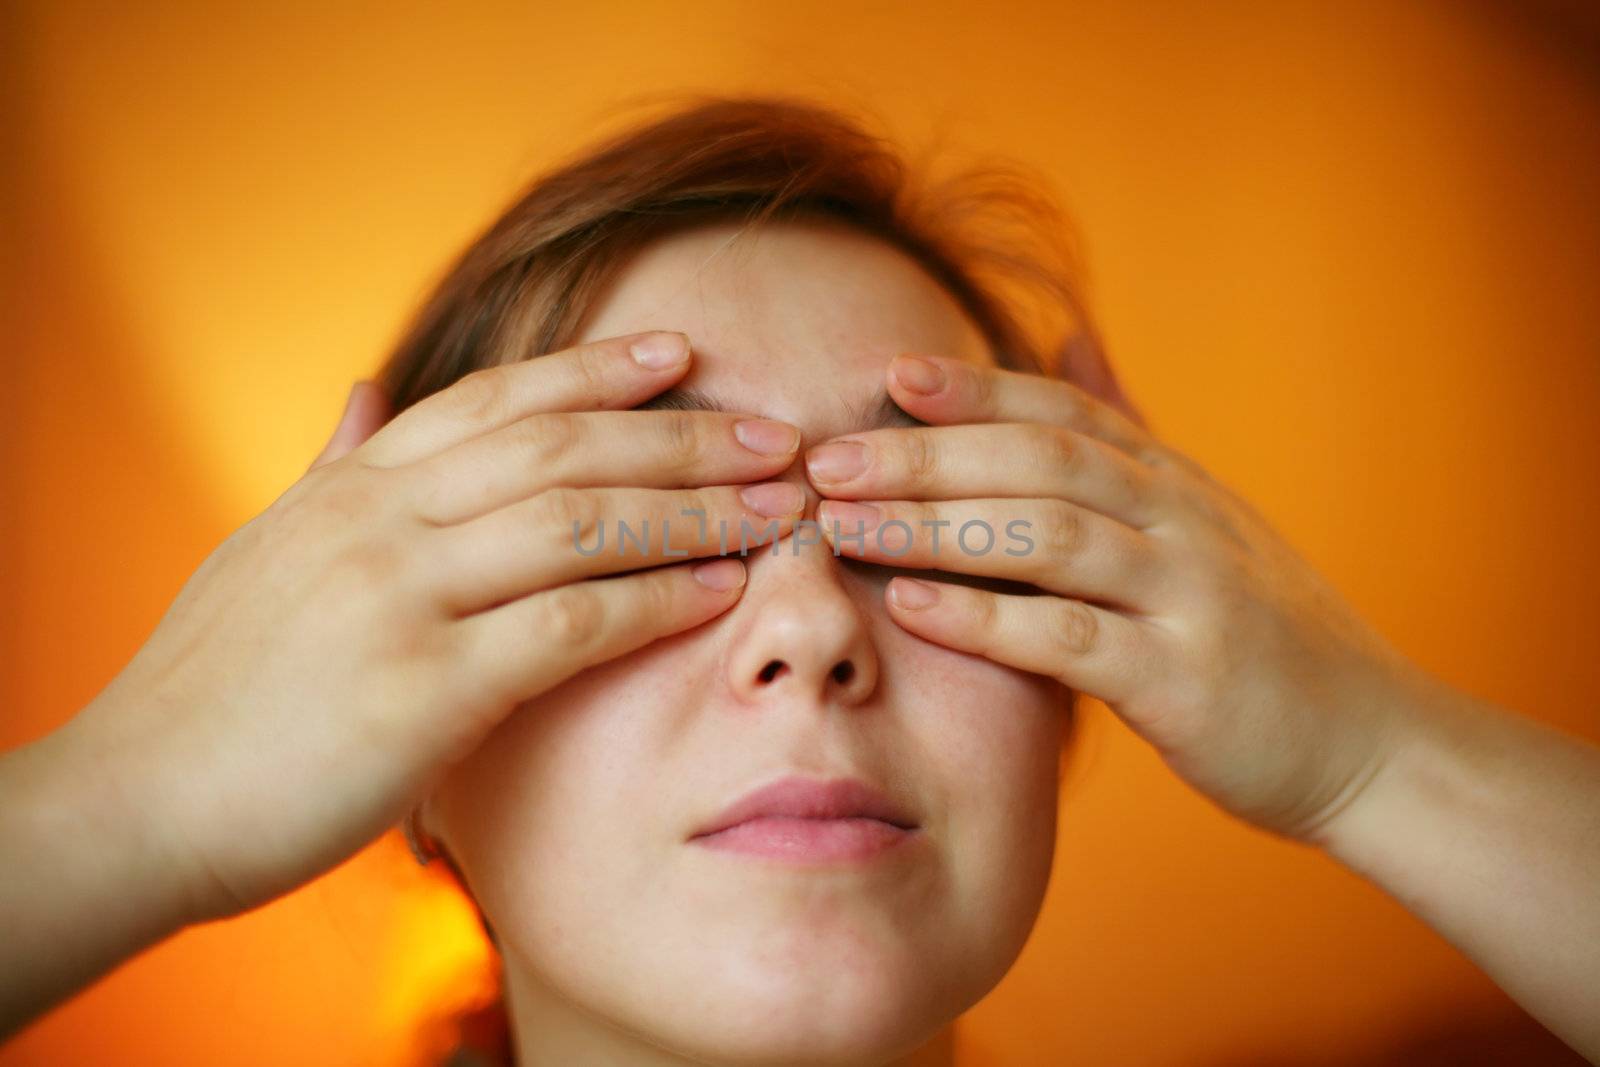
(658, 351)
(919, 375)
(719, 574)
(836, 462)
(850, 516)
(767, 437)
(913, 595)
(773, 499)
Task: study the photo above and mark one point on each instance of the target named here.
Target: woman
(726, 649)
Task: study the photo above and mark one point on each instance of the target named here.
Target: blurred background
(1344, 254)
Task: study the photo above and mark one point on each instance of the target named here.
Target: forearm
(84, 886)
(1487, 826)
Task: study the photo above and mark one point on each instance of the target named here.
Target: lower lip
(808, 840)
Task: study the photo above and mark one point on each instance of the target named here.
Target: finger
(366, 409)
(1086, 648)
(526, 646)
(618, 372)
(940, 391)
(564, 535)
(1008, 459)
(652, 449)
(1052, 544)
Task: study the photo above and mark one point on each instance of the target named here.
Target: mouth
(806, 820)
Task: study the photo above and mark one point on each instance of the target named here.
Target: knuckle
(918, 514)
(1056, 449)
(1074, 403)
(983, 391)
(563, 508)
(479, 395)
(656, 601)
(349, 495)
(986, 612)
(707, 519)
(415, 649)
(1153, 457)
(589, 385)
(919, 457)
(1139, 482)
(923, 518)
(1163, 462)
(986, 623)
(574, 616)
(701, 505)
(1062, 531)
(680, 439)
(545, 438)
(1077, 629)
(377, 562)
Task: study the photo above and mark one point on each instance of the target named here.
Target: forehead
(793, 320)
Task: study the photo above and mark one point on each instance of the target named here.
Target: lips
(809, 820)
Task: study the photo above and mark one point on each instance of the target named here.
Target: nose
(801, 634)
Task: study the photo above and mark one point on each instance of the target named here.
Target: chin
(820, 993)
(866, 1028)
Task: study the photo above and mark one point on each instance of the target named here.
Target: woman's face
(573, 824)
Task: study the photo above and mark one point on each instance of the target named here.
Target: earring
(423, 847)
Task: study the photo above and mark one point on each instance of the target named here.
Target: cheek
(988, 746)
(557, 818)
(996, 730)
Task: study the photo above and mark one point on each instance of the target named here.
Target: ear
(366, 410)
(1082, 361)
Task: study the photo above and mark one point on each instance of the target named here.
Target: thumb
(366, 409)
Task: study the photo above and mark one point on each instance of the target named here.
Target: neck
(547, 1029)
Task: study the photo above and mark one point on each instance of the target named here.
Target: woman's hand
(1164, 593)
(1170, 598)
(333, 655)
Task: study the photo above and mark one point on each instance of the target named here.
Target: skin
(364, 644)
(570, 823)
(333, 656)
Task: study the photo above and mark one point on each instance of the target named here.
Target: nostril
(771, 671)
(843, 671)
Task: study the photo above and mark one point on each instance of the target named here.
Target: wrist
(116, 809)
(1413, 768)
(84, 889)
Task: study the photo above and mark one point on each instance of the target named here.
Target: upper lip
(811, 798)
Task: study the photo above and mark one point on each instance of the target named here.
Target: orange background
(1346, 255)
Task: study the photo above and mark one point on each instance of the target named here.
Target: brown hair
(990, 235)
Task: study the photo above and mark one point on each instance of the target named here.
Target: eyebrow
(877, 413)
